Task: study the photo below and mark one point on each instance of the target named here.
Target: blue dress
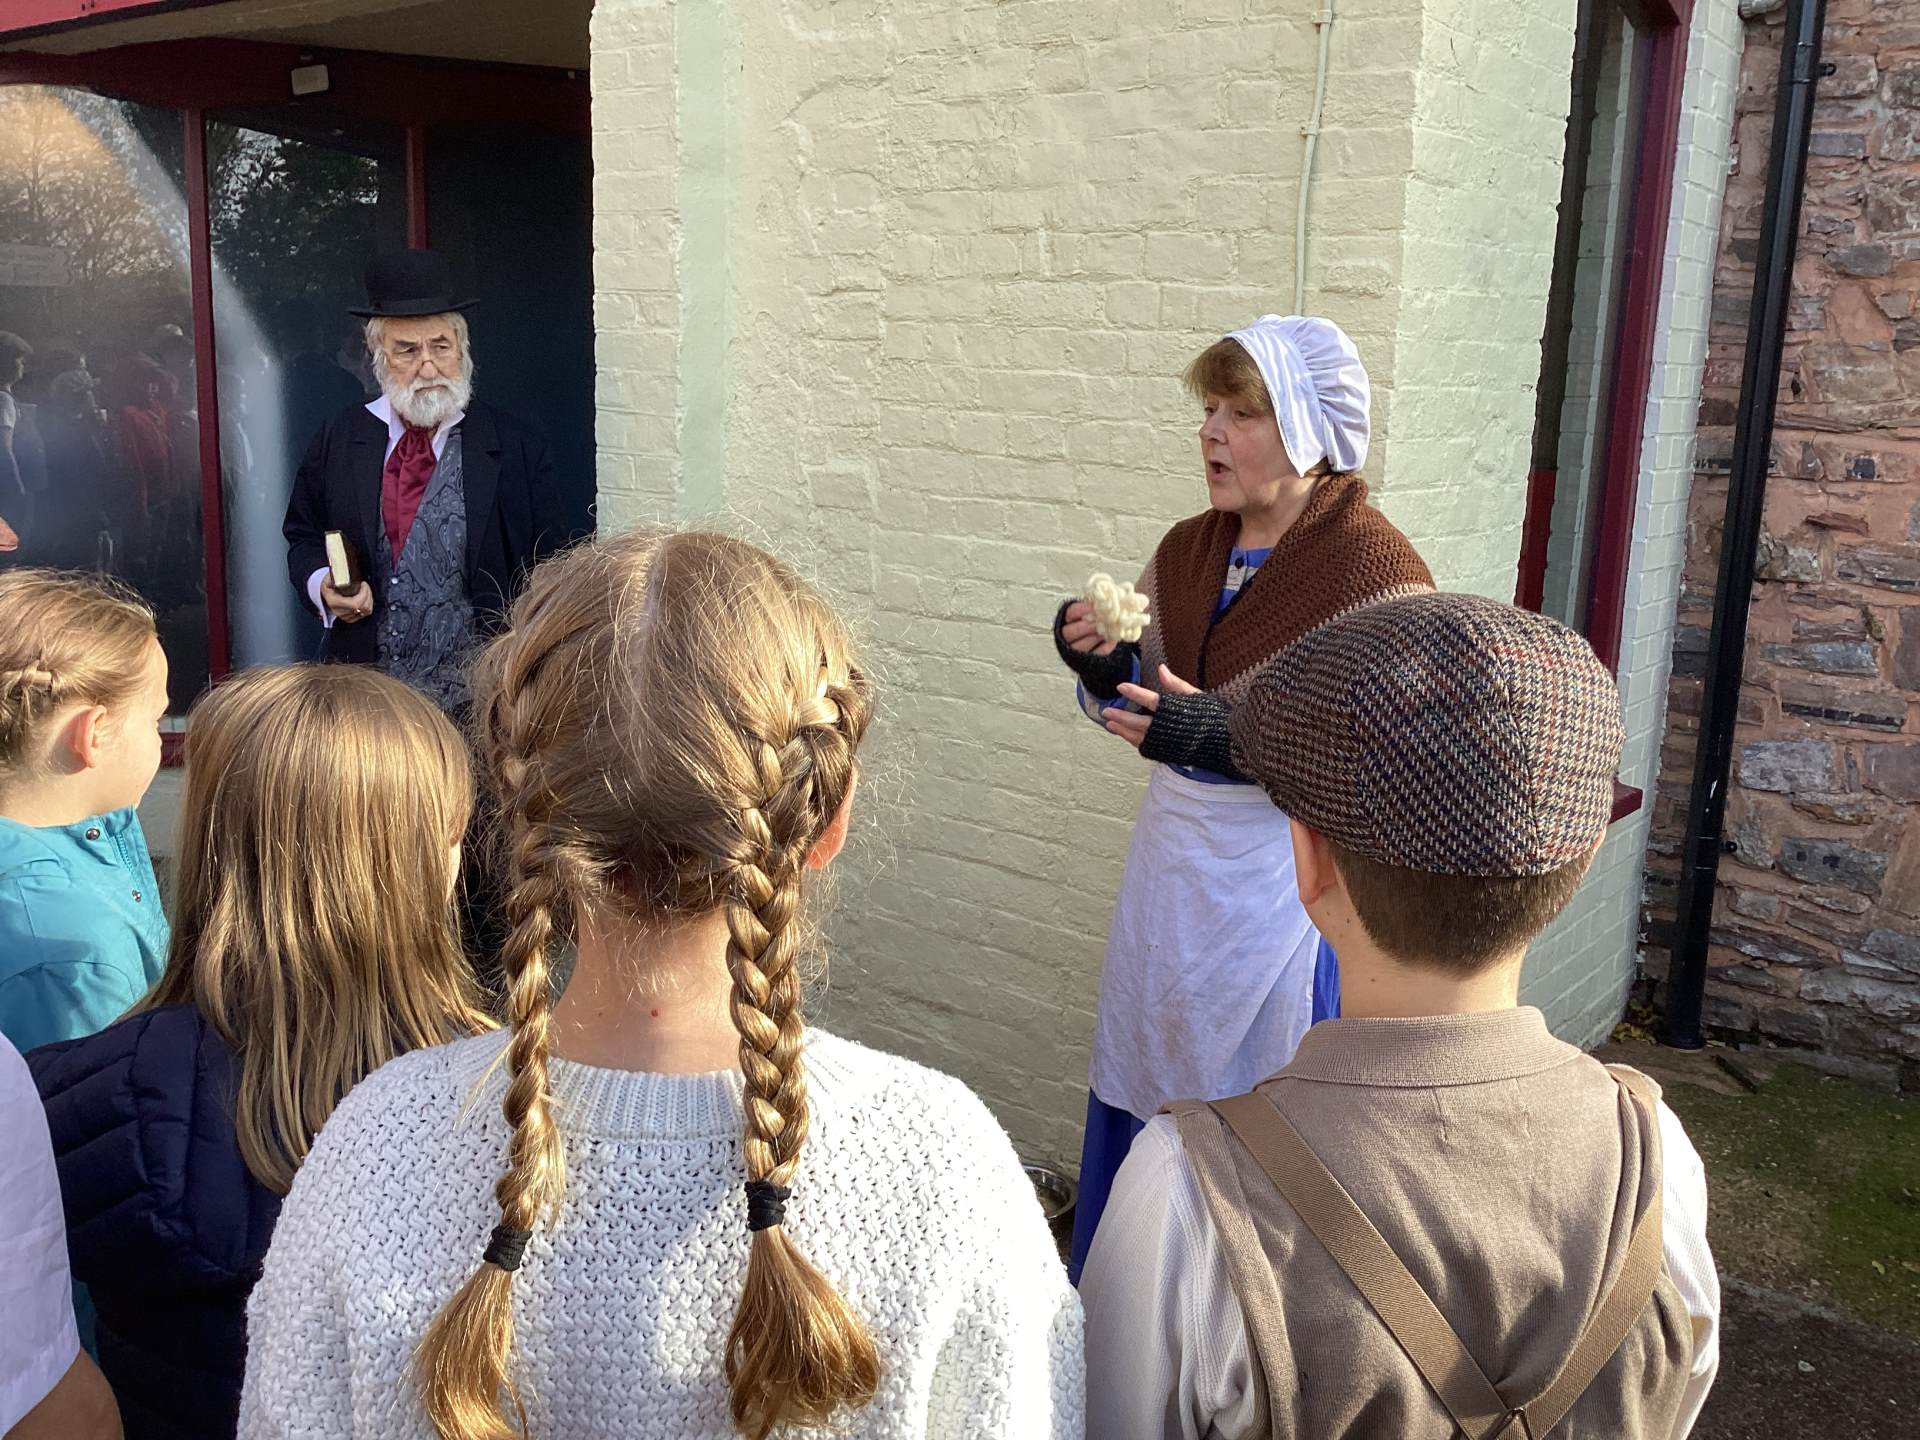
(1112, 1128)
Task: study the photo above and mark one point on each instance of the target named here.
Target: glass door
(99, 451)
(524, 248)
(298, 199)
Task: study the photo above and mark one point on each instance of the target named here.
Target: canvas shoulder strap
(1377, 1273)
(1356, 1245)
(1617, 1313)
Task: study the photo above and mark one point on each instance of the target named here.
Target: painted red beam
(22, 19)
(1531, 589)
(401, 90)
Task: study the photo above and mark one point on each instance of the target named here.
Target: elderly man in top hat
(447, 500)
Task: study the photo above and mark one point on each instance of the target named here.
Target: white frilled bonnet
(1318, 386)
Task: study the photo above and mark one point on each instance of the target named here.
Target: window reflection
(98, 421)
(299, 200)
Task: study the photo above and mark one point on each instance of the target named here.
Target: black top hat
(409, 282)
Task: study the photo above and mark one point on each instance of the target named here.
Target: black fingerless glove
(1103, 675)
(1191, 730)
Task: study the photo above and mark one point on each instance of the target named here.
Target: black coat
(516, 515)
(166, 1227)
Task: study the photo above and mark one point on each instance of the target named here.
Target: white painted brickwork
(1489, 131)
(907, 288)
(1581, 969)
(636, 294)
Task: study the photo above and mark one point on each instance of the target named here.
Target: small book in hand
(343, 564)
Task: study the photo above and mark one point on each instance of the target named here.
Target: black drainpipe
(1740, 538)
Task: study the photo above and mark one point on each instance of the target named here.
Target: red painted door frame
(213, 519)
(1639, 324)
(1631, 373)
(417, 186)
(1668, 22)
(195, 76)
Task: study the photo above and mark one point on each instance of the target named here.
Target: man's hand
(1132, 728)
(347, 608)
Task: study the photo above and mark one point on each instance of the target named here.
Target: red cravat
(403, 484)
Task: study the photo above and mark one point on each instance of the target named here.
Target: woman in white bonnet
(1213, 970)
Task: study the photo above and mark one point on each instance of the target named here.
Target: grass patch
(1814, 1188)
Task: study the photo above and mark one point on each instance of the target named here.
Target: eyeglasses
(407, 353)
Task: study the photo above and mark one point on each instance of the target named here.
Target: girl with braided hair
(83, 684)
(712, 1220)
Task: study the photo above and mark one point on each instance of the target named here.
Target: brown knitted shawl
(1339, 555)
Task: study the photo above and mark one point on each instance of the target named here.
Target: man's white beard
(428, 403)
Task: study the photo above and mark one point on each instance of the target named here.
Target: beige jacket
(1504, 1168)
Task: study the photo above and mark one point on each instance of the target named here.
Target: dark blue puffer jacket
(165, 1225)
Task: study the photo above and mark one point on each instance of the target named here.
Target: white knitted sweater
(908, 1198)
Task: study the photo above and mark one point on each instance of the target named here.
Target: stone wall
(1816, 935)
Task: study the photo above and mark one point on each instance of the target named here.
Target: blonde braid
(672, 721)
(27, 693)
(65, 638)
(464, 1361)
(796, 1353)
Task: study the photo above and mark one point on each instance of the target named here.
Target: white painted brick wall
(920, 278)
(1581, 969)
(1489, 130)
(636, 294)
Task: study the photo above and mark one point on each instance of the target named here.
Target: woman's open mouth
(1217, 470)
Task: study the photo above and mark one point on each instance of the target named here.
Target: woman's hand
(1126, 724)
(1078, 631)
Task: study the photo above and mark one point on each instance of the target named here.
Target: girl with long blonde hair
(313, 941)
(662, 1206)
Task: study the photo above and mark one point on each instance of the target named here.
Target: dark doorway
(511, 207)
(251, 213)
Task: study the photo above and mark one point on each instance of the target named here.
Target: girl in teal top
(83, 685)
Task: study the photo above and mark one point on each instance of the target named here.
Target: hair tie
(507, 1247)
(766, 1204)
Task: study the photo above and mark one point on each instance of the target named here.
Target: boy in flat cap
(1437, 1219)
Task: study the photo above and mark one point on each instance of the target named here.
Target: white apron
(1208, 981)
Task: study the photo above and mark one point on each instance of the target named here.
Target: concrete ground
(1789, 1370)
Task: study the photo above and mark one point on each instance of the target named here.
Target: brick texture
(906, 288)
(1816, 937)
(636, 296)
(1481, 211)
(1580, 971)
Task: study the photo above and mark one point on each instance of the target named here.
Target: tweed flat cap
(1446, 733)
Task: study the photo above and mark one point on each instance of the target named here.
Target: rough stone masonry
(1816, 932)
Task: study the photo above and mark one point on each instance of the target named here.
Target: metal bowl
(1057, 1194)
